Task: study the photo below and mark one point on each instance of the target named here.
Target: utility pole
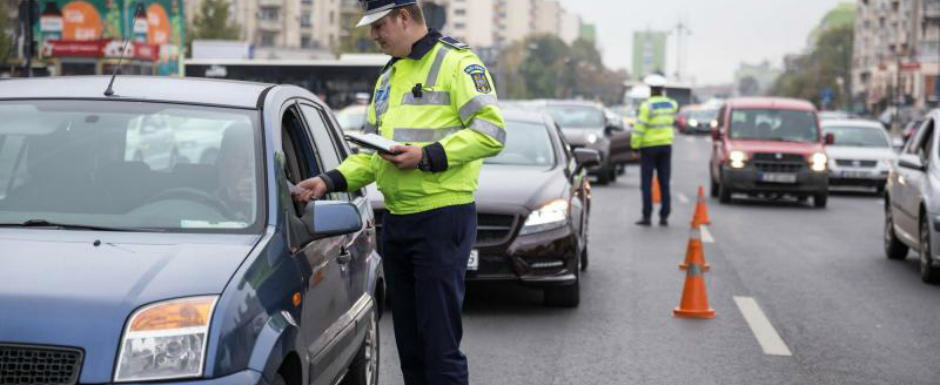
(681, 30)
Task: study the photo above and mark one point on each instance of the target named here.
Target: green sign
(649, 53)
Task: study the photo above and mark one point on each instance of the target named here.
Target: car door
(356, 247)
(620, 150)
(578, 193)
(911, 182)
(324, 299)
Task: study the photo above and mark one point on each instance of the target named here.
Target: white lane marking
(707, 235)
(682, 198)
(690, 139)
(765, 333)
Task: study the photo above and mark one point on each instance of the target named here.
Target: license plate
(856, 174)
(778, 177)
(473, 263)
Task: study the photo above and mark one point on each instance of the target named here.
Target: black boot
(663, 222)
(644, 222)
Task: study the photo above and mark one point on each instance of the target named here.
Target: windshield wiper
(71, 226)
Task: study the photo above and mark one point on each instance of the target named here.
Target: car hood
(58, 288)
(752, 146)
(506, 188)
(578, 136)
(860, 153)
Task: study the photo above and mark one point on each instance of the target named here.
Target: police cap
(373, 10)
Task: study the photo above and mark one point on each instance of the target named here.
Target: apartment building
(291, 24)
(896, 54)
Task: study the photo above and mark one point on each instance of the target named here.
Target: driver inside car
(236, 189)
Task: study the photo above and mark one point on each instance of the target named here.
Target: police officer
(437, 99)
(653, 135)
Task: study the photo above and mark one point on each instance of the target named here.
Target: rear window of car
(774, 125)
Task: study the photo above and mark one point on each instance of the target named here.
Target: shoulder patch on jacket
(454, 43)
(480, 81)
(661, 105)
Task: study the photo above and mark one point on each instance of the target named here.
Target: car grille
(492, 229)
(22, 364)
(778, 162)
(860, 163)
(777, 157)
(778, 167)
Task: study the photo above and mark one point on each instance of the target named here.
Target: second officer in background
(653, 134)
(436, 97)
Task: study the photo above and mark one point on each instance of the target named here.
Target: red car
(769, 147)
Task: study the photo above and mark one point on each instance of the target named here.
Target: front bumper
(748, 180)
(544, 259)
(858, 177)
(245, 377)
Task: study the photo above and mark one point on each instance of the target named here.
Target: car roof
(521, 115)
(149, 88)
(770, 102)
(851, 123)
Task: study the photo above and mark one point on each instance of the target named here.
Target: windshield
(577, 116)
(527, 144)
(704, 115)
(774, 125)
(128, 165)
(858, 136)
(352, 118)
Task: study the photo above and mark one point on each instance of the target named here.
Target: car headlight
(818, 162)
(737, 159)
(714, 124)
(165, 340)
(693, 123)
(551, 216)
(592, 138)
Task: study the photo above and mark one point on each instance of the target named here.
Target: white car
(861, 155)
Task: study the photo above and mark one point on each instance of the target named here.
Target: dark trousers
(425, 259)
(657, 159)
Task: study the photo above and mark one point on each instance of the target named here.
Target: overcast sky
(724, 32)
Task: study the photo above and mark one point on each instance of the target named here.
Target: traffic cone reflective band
(701, 210)
(657, 195)
(695, 253)
(694, 303)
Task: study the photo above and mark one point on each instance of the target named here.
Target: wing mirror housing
(911, 161)
(586, 157)
(331, 218)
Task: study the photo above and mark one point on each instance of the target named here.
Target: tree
(358, 41)
(6, 41)
(213, 21)
(827, 66)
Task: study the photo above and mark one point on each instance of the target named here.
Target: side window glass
(926, 143)
(325, 144)
(721, 117)
(298, 155)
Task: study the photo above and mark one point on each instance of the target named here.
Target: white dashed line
(690, 139)
(765, 333)
(707, 235)
(682, 198)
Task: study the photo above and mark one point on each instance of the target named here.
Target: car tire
(724, 194)
(894, 248)
(564, 296)
(714, 189)
(584, 259)
(928, 272)
(880, 189)
(365, 367)
(603, 175)
(613, 173)
(820, 200)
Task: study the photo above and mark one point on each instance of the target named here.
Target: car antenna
(110, 90)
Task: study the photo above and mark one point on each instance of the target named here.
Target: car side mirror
(830, 139)
(716, 134)
(330, 218)
(911, 161)
(586, 157)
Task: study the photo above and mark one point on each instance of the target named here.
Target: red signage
(910, 66)
(101, 49)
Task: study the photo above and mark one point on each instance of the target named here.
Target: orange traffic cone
(695, 253)
(657, 196)
(694, 303)
(701, 210)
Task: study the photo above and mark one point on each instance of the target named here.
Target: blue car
(116, 268)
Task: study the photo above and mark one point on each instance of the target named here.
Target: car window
(325, 143)
(917, 142)
(527, 144)
(577, 116)
(858, 136)
(774, 125)
(926, 143)
(299, 158)
(130, 165)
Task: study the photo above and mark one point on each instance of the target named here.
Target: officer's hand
(308, 190)
(407, 157)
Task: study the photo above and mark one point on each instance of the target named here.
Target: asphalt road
(845, 313)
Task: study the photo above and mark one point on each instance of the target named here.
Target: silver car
(912, 202)
(861, 154)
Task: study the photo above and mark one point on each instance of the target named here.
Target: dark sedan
(533, 205)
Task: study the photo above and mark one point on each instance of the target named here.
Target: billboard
(97, 28)
(649, 53)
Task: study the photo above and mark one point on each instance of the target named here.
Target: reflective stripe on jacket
(454, 109)
(655, 123)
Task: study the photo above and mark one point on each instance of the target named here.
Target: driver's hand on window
(308, 190)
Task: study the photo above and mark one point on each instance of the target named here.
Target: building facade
(288, 24)
(896, 54)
